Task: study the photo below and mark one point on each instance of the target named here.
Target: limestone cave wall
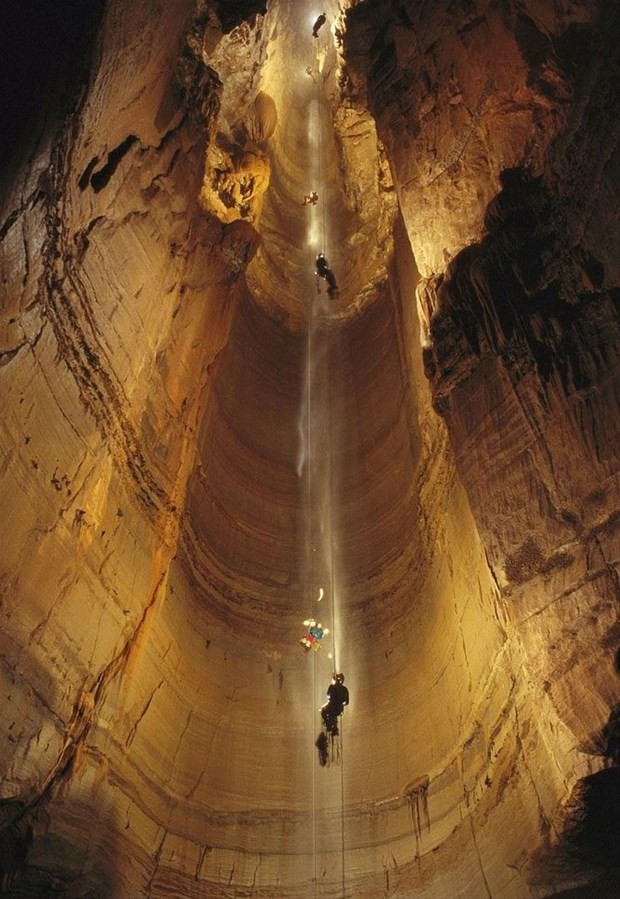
(194, 440)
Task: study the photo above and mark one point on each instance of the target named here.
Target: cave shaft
(198, 441)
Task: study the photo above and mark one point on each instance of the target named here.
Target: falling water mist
(317, 470)
(315, 466)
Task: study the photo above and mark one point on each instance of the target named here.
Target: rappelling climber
(310, 199)
(324, 271)
(318, 24)
(313, 636)
(337, 698)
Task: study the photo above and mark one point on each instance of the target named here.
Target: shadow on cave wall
(64, 849)
(44, 52)
(588, 847)
(592, 837)
(524, 293)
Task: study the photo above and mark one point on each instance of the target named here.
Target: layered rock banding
(194, 441)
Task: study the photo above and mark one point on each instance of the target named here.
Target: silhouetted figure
(337, 698)
(310, 199)
(322, 744)
(318, 24)
(324, 271)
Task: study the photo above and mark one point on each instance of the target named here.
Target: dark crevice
(44, 53)
(587, 849)
(594, 829)
(85, 176)
(233, 12)
(30, 203)
(100, 179)
(7, 355)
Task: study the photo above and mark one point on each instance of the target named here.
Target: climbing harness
(314, 634)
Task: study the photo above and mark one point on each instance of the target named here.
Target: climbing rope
(331, 492)
(319, 108)
(332, 497)
(310, 549)
(314, 510)
(326, 468)
(332, 505)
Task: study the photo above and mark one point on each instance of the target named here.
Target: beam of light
(315, 459)
(313, 227)
(313, 136)
(314, 231)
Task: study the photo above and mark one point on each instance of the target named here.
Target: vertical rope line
(313, 516)
(323, 201)
(332, 504)
(331, 537)
(330, 443)
(310, 545)
(319, 79)
(314, 510)
(342, 806)
(331, 491)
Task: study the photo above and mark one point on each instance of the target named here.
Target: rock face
(198, 443)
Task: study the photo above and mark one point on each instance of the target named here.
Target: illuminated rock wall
(179, 476)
